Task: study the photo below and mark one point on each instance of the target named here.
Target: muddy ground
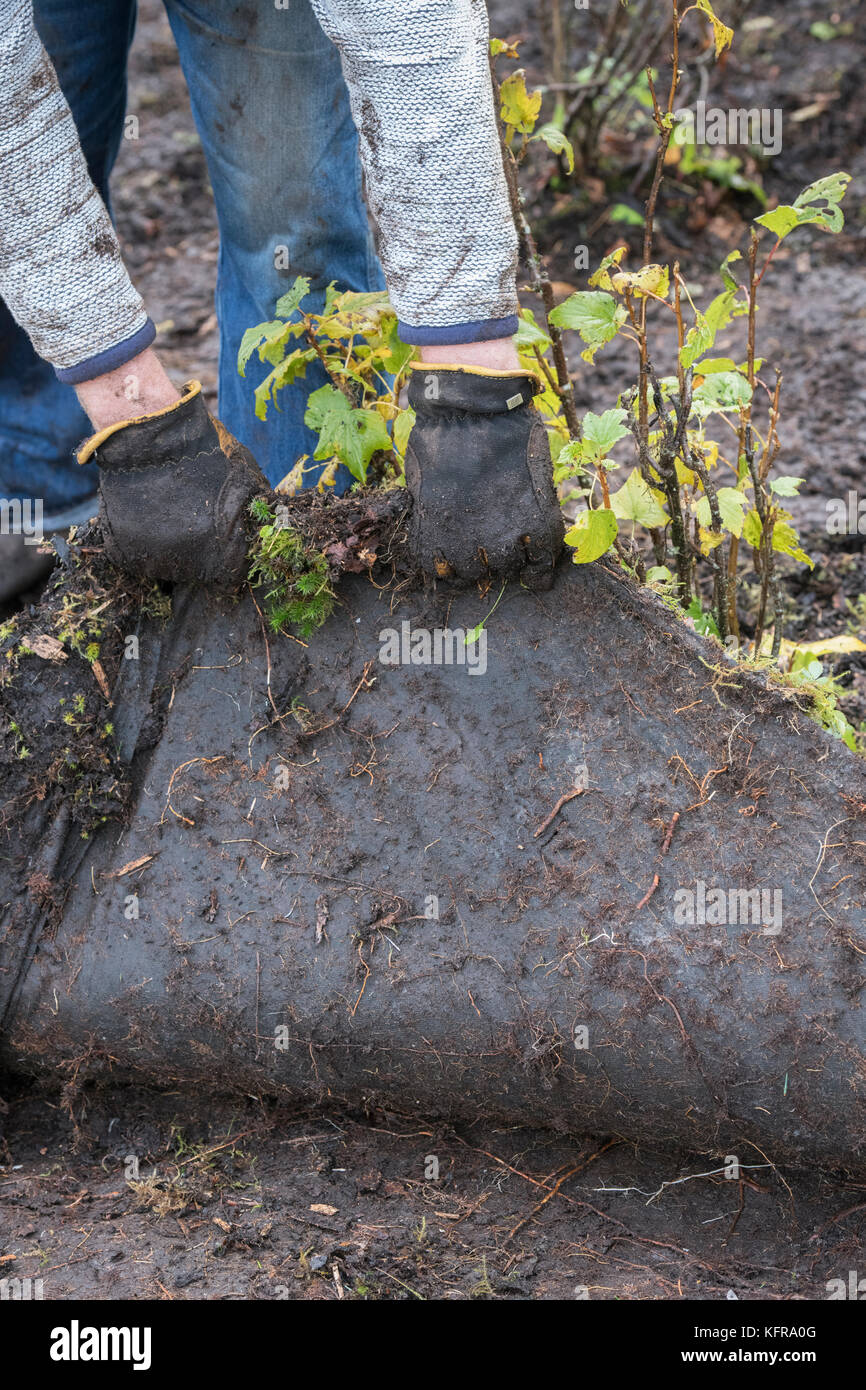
(252, 1202)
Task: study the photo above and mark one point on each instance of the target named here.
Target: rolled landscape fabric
(574, 868)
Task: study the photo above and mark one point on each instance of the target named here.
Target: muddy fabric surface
(287, 870)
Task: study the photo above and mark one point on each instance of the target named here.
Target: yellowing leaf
(834, 646)
(519, 108)
(651, 279)
(592, 534)
(600, 279)
(722, 35)
(685, 475)
(634, 502)
(709, 539)
(294, 366)
(752, 529)
(731, 506)
(787, 542)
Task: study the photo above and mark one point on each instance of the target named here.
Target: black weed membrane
(573, 868)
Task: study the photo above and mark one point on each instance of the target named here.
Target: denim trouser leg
(40, 419)
(272, 111)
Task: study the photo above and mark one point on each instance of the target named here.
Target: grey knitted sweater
(421, 98)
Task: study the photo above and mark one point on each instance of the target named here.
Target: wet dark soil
(157, 1197)
(226, 1197)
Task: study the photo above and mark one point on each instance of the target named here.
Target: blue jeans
(272, 112)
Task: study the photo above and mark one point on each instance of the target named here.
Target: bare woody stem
(540, 279)
(665, 128)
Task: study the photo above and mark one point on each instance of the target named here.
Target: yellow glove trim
(475, 371)
(89, 447)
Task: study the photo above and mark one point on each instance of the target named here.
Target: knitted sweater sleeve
(61, 273)
(421, 96)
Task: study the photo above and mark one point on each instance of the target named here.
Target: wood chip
(101, 679)
(47, 647)
(129, 868)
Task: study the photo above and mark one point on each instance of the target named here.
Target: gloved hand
(173, 492)
(479, 472)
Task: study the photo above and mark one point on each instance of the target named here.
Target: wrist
(496, 354)
(138, 387)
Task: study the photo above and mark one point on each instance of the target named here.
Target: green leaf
(592, 534)
(557, 141)
(402, 429)
(395, 355)
(752, 529)
(786, 486)
(803, 211)
(601, 432)
(286, 372)
(596, 316)
(658, 574)
(519, 108)
(727, 278)
(780, 221)
(289, 303)
(270, 339)
(731, 506)
(704, 622)
(621, 212)
(717, 316)
(722, 35)
(345, 431)
(529, 332)
(710, 365)
(721, 391)
(634, 502)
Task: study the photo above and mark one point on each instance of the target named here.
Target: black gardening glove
(173, 494)
(479, 472)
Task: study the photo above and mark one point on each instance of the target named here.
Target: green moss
(297, 580)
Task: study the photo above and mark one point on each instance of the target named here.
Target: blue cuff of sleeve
(477, 332)
(112, 358)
